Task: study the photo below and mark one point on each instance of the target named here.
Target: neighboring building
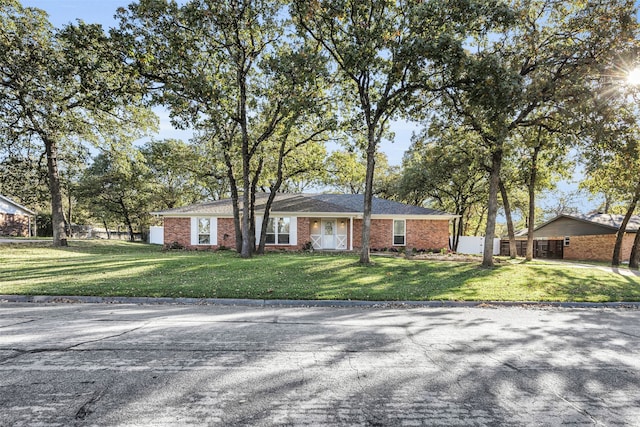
(15, 219)
(323, 221)
(580, 237)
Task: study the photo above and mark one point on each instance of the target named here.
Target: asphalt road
(139, 365)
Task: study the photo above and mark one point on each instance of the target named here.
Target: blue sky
(102, 11)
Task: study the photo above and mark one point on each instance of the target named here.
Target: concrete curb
(41, 299)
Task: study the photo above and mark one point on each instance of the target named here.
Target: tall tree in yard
(235, 72)
(116, 186)
(544, 151)
(383, 50)
(178, 175)
(612, 157)
(540, 67)
(59, 88)
(346, 171)
(441, 168)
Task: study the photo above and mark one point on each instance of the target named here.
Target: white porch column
(350, 233)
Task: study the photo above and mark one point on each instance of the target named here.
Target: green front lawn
(109, 268)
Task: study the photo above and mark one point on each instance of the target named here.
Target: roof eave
(8, 200)
(439, 217)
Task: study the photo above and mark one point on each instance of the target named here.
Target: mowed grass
(110, 268)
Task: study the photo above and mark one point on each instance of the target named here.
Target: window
(398, 232)
(204, 231)
(278, 231)
(567, 240)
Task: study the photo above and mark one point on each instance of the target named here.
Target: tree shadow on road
(283, 366)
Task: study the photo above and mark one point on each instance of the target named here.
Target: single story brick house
(15, 219)
(580, 237)
(323, 221)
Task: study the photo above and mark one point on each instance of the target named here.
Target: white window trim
(213, 231)
(393, 232)
(293, 228)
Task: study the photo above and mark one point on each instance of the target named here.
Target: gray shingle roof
(610, 220)
(308, 203)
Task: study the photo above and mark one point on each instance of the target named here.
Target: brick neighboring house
(581, 237)
(15, 219)
(323, 221)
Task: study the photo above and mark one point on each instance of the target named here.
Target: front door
(328, 233)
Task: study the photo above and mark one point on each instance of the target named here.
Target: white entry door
(328, 233)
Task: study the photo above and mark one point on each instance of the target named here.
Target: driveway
(10, 240)
(126, 365)
(623, 271)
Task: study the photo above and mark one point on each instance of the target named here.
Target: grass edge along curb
(43, 299)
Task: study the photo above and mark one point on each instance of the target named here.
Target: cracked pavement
(157, 365)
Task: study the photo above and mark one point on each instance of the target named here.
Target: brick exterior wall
(226, 233)
(419, 234)
(427, 234)
(304, 232)
(596, 247)
(381, 235)
(14, 225)
(177, 231)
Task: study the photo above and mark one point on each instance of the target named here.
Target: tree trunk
(607, 203)
(68, 220)
(265, 220)
(513, 249)
(617, 248)
(57, 212)
(368, 199)
(634, 259)
(457, 232)
(132, 237)
(246, 250)
(476, 231)
(252, 224)
(273, 190)
(106, 228)
(233, 184)
(532, 198)
(252, 218)
(492, 208)
(127, 220)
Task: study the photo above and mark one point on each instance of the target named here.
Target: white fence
(474, 245)
(156, 235)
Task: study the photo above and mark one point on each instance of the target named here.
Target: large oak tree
(383, 51)
(539, 67)
(59, 89)
(236, 73)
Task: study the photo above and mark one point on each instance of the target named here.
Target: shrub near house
(323, 221)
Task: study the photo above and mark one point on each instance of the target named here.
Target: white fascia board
(191, 215)
(316, 214)
(358, 215)
(17, 205)
(354, 215)
(428, 217)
